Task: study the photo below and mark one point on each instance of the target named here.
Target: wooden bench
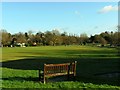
(58, 70)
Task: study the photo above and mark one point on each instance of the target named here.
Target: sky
(71, 17)
(60, 0)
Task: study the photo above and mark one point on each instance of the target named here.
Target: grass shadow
(33, 63)
(86, 67)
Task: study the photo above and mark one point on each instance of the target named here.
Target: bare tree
(6, 38)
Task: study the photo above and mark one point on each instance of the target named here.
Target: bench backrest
(60, 69)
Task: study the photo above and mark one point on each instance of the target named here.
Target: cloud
(109, 8)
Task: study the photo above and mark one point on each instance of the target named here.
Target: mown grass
(20, 66)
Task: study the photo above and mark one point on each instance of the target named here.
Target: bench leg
(68, 77)
(44, 80)
(39, 76)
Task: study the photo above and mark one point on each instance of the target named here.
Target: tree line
(55, 38)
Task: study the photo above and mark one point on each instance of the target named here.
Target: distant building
(20, 44)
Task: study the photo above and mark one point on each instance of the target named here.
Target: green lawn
(20, 66)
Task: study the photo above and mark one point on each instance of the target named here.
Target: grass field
(20, 66)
